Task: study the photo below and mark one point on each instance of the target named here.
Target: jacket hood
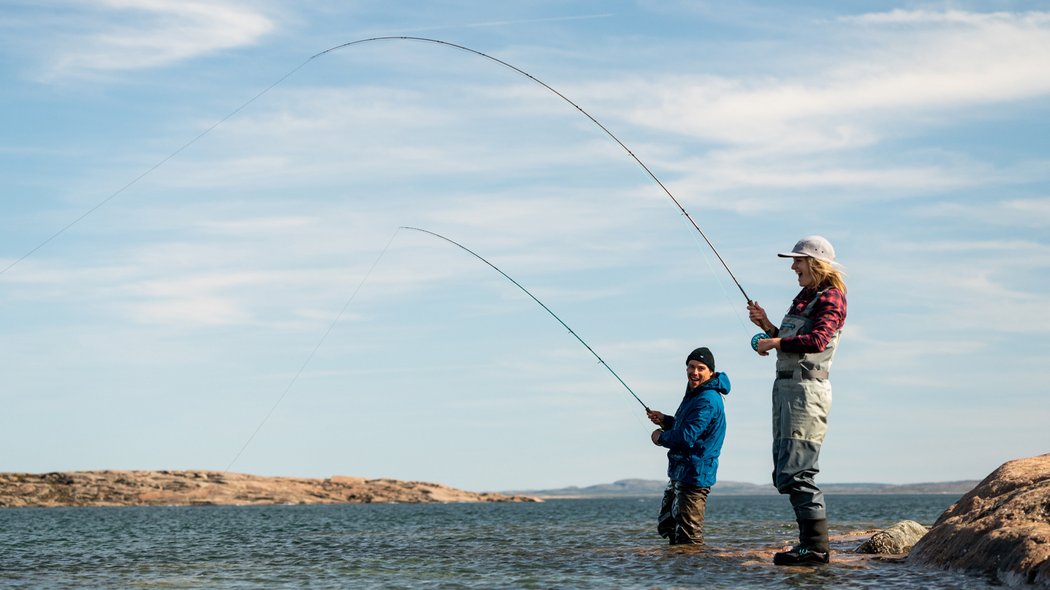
(719, 382)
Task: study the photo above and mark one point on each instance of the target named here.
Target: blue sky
(167, 326)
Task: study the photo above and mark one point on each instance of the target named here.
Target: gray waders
(801, 402)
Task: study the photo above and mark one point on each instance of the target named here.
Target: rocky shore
(1000, 529)
(193, 488)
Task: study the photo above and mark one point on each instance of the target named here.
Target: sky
(203, 266)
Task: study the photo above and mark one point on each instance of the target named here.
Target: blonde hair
(826, 274)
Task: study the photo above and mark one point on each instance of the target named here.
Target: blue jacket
(695, 434)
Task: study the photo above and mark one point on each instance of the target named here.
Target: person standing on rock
(693, 437)
(805, 344)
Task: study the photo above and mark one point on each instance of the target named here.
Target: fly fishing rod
(547, 309)
(578, 107)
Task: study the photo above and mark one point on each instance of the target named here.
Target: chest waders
(801, 402)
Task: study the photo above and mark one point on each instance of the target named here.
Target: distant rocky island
(653, 487)
(201, 488)
(192, 488)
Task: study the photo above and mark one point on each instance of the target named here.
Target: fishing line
(163, 161)
(722, 287)
(548, 310)
(313, 352)
(399, 38)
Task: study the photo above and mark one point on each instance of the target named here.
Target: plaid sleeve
(830, 314)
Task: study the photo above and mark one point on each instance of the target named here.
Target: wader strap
(806, 374)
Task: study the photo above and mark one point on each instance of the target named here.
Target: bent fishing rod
(547, 309)
(373, 40)
(577, 107)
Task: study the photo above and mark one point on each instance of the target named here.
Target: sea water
(583, 543)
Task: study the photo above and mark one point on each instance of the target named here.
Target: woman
(805, 343)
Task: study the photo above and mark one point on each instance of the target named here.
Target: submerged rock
(193, 488)
(896, 540)
(1001, 528)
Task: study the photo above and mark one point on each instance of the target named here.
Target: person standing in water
(805, 344)
(693, 437)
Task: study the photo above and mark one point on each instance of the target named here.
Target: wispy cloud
(969, 19)
(114, 35)
(1031, 213)
(939, 63)
(504, 23)
(967, 284)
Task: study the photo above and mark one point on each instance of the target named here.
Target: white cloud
(961, 287)
(376, 136)
(257, 225)
(902, 16)
(904, 354)
(199, 311)
(715, 175)
(1020, 213)
(894, 79)
(114, 35)
(504, 23)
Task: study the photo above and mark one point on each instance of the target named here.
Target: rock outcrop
(1001, 528)
(896, 540)
(188, 488)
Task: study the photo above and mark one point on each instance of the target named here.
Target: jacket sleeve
(689, 431)
(830, 315)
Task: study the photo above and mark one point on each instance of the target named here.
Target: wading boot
(812, 548)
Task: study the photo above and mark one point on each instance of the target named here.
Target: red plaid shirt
(829, 315)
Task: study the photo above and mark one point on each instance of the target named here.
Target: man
(694, 438)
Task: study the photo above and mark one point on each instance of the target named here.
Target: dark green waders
(682, 514)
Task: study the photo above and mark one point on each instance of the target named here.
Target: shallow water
(593, 543)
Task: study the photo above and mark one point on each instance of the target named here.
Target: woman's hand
(757, 315)
(655, 417)
(767, 344)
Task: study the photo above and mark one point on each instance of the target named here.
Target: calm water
(555, 544)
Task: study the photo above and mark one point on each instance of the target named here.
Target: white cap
(812, 246)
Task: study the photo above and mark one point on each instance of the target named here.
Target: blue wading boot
(812, 548)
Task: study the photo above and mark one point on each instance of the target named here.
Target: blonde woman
(805, 344)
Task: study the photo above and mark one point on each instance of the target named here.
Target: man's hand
(655, 436)
(655, 417)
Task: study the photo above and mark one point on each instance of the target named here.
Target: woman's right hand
(757, 315)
